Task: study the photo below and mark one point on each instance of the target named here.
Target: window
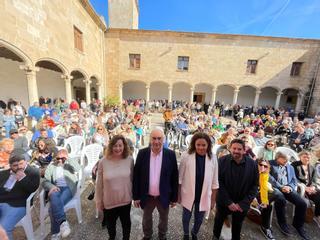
(135, 60)
(183, 63)
(252, 66)
(296, 68)
(78, 39)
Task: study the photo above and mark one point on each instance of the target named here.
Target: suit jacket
(301, 175)
(248, 185)
(187, 179)
(168, 177)
(274, 173)
(20, 192)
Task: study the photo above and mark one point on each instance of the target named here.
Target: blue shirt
(37, 134)
(35, 112)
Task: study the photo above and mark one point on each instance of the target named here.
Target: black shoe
(91, 195)
(267, 233)
(104, 224)
(185, 237)
(194, 237)
(302, 233)
(285, 229)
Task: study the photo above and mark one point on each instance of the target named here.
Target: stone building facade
(64, 49)
(38, 56)
(218, 67)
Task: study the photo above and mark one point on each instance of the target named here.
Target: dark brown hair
(195, 137)
(261, 160)
(266, 145)
(238, 141)
(113, 141)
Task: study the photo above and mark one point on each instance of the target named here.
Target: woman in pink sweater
(114, 186)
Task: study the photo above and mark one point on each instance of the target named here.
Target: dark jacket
(247, 187)
(274, 173)
(301, 175)
(168, 177)
(20, 192)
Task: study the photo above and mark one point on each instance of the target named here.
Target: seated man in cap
(16, 184)
(20, 142)
(60, 180)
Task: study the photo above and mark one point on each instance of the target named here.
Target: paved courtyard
(91, 227)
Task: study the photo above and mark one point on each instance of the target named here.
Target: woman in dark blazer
(307, 176)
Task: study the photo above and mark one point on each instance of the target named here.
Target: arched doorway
(159, 91)
(134, 90)
(268, 96)
(78, 85)
(202, 93)
(94, 93)
(225, 94)
(49, 79)
(13, 80)
(289, 98)
(181, 91)
(246, 95)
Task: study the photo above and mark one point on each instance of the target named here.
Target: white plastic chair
(76, 144)
(92, 153)
(75, 203)
(293, 155)
(26, 221)
(257, 150)
(188, 140)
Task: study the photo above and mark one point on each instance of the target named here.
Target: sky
(279, 18)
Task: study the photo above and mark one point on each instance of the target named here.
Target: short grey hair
(157, 129)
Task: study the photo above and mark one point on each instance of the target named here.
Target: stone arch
(246, 95)
(289, 98)
(13, 61)
(133, 89)
(78, 85)
(202, 92)
(17, 51)
(268, 96)
(159, 90)
(181, 91)
(56, 65)
(94, 87)
(49, 78)
(225, 93)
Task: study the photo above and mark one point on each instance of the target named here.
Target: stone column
(191, 95)
(256, 98)
(67, 81)
(120, 93)
(88, 97)
(299, 102)
(276, 106)
(213, 96)
(31, 82)
(235, 96)
(147, 93)
(170, 94)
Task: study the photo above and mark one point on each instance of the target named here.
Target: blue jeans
(10, 216)
(198, 218)
(57, 202)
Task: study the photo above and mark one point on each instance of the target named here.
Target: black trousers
(280, 207)
(237, 220)
(111, 216)
(316, 199)
(266, 212)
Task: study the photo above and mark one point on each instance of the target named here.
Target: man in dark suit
(16, 184)
(238, 186)
(155, 183)
(284, 181)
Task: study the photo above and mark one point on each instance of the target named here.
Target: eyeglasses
(61, 158)
(156, 138)
(263, 165)
(14, 133)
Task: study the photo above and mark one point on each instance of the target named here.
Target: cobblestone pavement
(91, 229)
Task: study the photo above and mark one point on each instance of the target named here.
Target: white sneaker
(317, 220)
(55, 236)
(65, 229)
